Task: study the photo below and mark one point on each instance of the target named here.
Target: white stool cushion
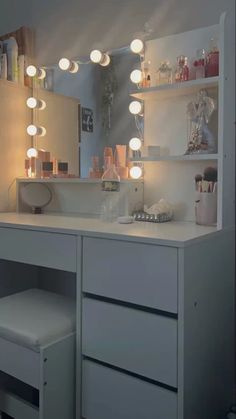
(34, 318)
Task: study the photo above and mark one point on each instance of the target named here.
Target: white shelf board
(186, 157)
(69, 180)
(175, 89)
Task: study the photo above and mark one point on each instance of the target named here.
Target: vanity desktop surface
(172, 233)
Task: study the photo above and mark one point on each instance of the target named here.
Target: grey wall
(73, 27)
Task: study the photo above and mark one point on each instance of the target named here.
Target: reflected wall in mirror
(103, 94)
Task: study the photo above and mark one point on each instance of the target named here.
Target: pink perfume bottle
(212, 61)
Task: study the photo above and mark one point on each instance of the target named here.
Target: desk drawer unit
(137, 273)
(137, 341)
(110, 394)
(51, 250)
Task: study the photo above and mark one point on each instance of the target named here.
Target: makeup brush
(210, 174)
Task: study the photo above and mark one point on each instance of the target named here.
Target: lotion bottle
(3, 66)
(12, 59)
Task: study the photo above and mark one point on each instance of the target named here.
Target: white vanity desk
(154, 311)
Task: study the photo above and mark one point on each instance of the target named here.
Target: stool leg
(57, 380)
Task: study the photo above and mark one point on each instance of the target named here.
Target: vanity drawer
(51, 250)
(110, 394)
(137, 273)
(140, 342)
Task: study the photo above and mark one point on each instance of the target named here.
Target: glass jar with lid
(164, 73)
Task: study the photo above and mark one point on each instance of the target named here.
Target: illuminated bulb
(34, 103)
(31, 71)
(136, 107)
(68, 65)
(96, 56)
(32, 152)
(135, 172)
(136, 76)
(135, 144)
(33, 130)
(64, 64)
(137, 46)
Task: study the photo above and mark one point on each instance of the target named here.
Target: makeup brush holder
(206, 208)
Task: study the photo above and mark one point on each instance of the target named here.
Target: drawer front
(51, 250)
(137, 273)
(140, 342)
(109, 394)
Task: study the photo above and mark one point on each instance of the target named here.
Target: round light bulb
(32, 152)
(31, 71)
(135, 172)
(34, 103)
(137, 46)
(136, 76)
(64, 64)
(135, 144)
(135, 107)
(32, 130)
(105, 60)
(31, 102)
(96, 56)
(41, 73)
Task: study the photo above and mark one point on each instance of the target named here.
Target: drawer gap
(130, 373)
(131, 305)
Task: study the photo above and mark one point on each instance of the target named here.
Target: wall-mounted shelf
(175, 89)
(188, 157)
(71, 180)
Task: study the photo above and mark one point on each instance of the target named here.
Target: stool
(37, 347)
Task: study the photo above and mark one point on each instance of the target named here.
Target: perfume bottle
(185, 70)
(212, 59)
(179, 68)
(146, 79)
(199, 64)
(164, 73)
(110, 199)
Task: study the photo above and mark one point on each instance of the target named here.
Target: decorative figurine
(201, 139)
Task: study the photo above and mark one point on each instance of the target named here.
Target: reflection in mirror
(103, 93)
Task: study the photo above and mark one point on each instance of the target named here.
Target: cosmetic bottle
(3, 66)
(185, 70)
(212, 60)
(146, 77)
(179, 68)
(62, 168)
(47, 169)
(199, 64)
(12, 59)
(107, 157)
(110, 199)
(164, 73)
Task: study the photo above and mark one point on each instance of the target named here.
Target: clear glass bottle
(199, 64)
(179, 68)
(110, 197)
(164, 73)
